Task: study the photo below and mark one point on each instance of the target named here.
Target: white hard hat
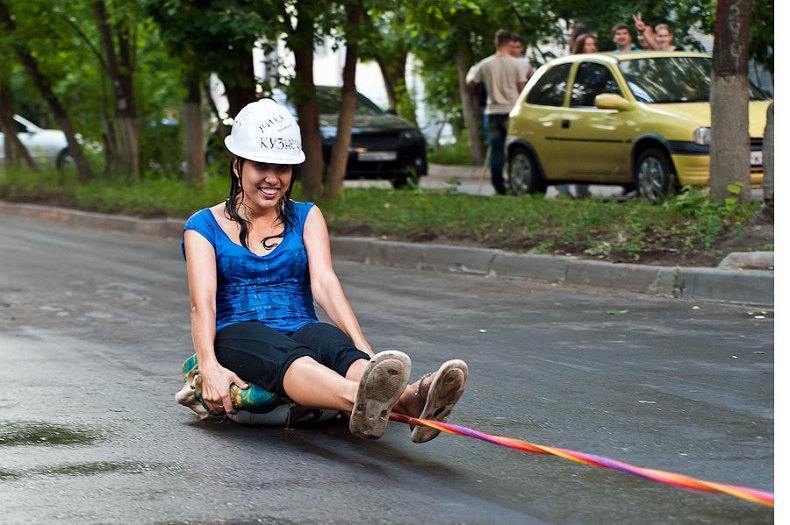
(265, 131)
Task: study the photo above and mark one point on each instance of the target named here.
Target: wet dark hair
(285, 209)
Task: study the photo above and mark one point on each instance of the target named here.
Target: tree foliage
(170, 37)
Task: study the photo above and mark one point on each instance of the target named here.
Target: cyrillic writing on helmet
(279, 143)
(271, 121)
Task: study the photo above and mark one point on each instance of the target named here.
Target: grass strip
(624, 231)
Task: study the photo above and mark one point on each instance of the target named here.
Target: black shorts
(261, 356)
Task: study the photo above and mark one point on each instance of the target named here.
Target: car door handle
(566, 123)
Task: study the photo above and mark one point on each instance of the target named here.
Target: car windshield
(665, 80)
(329, 103)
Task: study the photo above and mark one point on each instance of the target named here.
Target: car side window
(20, 128)
(550, 88)
(592, 80)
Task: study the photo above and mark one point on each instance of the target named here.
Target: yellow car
(639, 119)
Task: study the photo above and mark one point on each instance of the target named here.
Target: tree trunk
(768, 164)
(44, 87)
(312, 170)
(389, 83)
(240, 83)
(15, 152)
(193, 130)
(471, 110)
(124, 140)
(398, 95)
(338, 161)
(729, 100)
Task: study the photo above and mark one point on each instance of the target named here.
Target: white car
(48, 147)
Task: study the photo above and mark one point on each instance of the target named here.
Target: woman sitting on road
(255, 263)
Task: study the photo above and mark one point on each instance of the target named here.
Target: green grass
(451, 154)
(683, 227)
(592, 227)
(153, 196)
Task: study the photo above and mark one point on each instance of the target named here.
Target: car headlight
(409, 134)
(701, 136)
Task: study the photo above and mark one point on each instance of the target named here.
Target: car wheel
(654, 175)
(403, 181)
(64, 160)
(399, 182)
(523, 173)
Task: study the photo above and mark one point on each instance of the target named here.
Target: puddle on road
(7, 474)
(28, 433)
(84, 469)
(99, 467)
(265, 520)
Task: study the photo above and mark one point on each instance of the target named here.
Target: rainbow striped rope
(669, 478)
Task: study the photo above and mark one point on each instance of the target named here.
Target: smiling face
(264, 184)
(663, 38)
(622, 38)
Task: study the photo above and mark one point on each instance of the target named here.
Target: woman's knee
(356, 369)
(305, 362)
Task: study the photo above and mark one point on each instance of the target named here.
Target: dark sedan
(383, 145)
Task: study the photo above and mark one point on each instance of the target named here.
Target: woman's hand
(216, 388)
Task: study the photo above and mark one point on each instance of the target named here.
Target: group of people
(650, 38)
(501, 77)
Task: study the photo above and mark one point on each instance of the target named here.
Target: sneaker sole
(382, 383)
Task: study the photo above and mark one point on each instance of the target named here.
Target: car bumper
(694, 170)
(409, 159)
(692, 163)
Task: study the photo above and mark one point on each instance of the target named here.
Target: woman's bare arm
(325, 285)
(202, 278)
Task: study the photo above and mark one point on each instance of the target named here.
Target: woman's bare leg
(311, 384)
(410, 404)
(356, 369)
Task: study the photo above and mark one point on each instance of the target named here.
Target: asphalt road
(94, 327)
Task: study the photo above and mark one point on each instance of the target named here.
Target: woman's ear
(236, 168)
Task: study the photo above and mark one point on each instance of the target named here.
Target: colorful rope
(669, 478)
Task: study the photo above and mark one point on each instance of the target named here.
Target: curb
(123, 223)
(744, 286)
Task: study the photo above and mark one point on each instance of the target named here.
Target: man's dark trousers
(497, 131)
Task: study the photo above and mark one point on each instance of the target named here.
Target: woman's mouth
(269, 193)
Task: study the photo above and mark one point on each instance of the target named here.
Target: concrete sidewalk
(476, 180)
(745, 286)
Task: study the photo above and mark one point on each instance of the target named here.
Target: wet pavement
(94, 327)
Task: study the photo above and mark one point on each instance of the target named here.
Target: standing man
(518, 50)
(504, 78)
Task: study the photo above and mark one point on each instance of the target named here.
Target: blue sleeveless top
(273, 288)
